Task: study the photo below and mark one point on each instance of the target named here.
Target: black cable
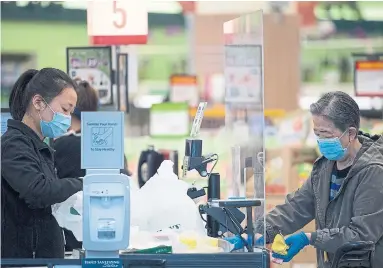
(215, 163)
(211, 170)
(205, 162)
(200, 214)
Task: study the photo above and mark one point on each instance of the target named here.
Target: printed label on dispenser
(102, 263)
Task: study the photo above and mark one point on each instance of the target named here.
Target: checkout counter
(106, 208)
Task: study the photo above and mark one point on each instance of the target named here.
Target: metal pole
(250, 231)
(213, 192)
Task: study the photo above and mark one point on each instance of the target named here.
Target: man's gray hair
(338, 107)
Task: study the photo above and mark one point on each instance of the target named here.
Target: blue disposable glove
(239, 244)
(236, 241)
(260, 241)
(295, 242)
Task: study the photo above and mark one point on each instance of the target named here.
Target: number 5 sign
(117, 22)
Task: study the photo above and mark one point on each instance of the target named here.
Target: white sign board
(102, 140)
(169, 120)
(127, 18)
(184, 88)
(243, 74)
(368, 78)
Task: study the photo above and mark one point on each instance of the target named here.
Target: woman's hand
(295, 242)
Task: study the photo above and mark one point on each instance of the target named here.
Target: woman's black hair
(87, 97)
(48, 83)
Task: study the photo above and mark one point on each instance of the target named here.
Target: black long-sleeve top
(29, 187)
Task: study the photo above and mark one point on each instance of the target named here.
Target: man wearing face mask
(344, 193)
(40, 103)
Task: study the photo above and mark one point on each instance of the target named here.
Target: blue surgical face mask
(57, 127)
(332, 148)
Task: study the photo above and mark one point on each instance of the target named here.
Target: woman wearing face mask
(40, 103)
(344, 193)
(68, 147)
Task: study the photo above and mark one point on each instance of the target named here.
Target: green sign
(349, 10)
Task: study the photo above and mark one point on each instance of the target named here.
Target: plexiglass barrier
(244, 104)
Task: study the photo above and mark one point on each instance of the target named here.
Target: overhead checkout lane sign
(123, 22)
(368, 78)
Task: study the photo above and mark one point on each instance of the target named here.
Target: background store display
(12, 66)
(368, 78)
(294, 128)
(184, 88)
(5, 115)
(122, 82)
(93, 64)
(169, 120)
(243, 74)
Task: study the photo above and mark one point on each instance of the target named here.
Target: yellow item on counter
(192, 242)
(279, 245)
(211, 241)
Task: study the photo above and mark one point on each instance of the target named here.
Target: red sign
(117, 22)
(368, 78)
(187, 6)
(306, 9)
(369, 65)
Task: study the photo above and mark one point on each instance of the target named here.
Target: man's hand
(295, 242)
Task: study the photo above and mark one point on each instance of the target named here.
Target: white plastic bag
(163, 203)
(69, 214)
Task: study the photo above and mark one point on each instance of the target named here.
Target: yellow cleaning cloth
(279, 245)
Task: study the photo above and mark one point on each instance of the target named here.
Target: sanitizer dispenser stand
(106, 216)
(106, 192)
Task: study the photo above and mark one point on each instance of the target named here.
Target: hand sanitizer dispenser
(106, 217)
(106, 192)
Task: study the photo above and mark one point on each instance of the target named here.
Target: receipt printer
(106, 215)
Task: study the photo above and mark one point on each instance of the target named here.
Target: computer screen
(5, 115)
